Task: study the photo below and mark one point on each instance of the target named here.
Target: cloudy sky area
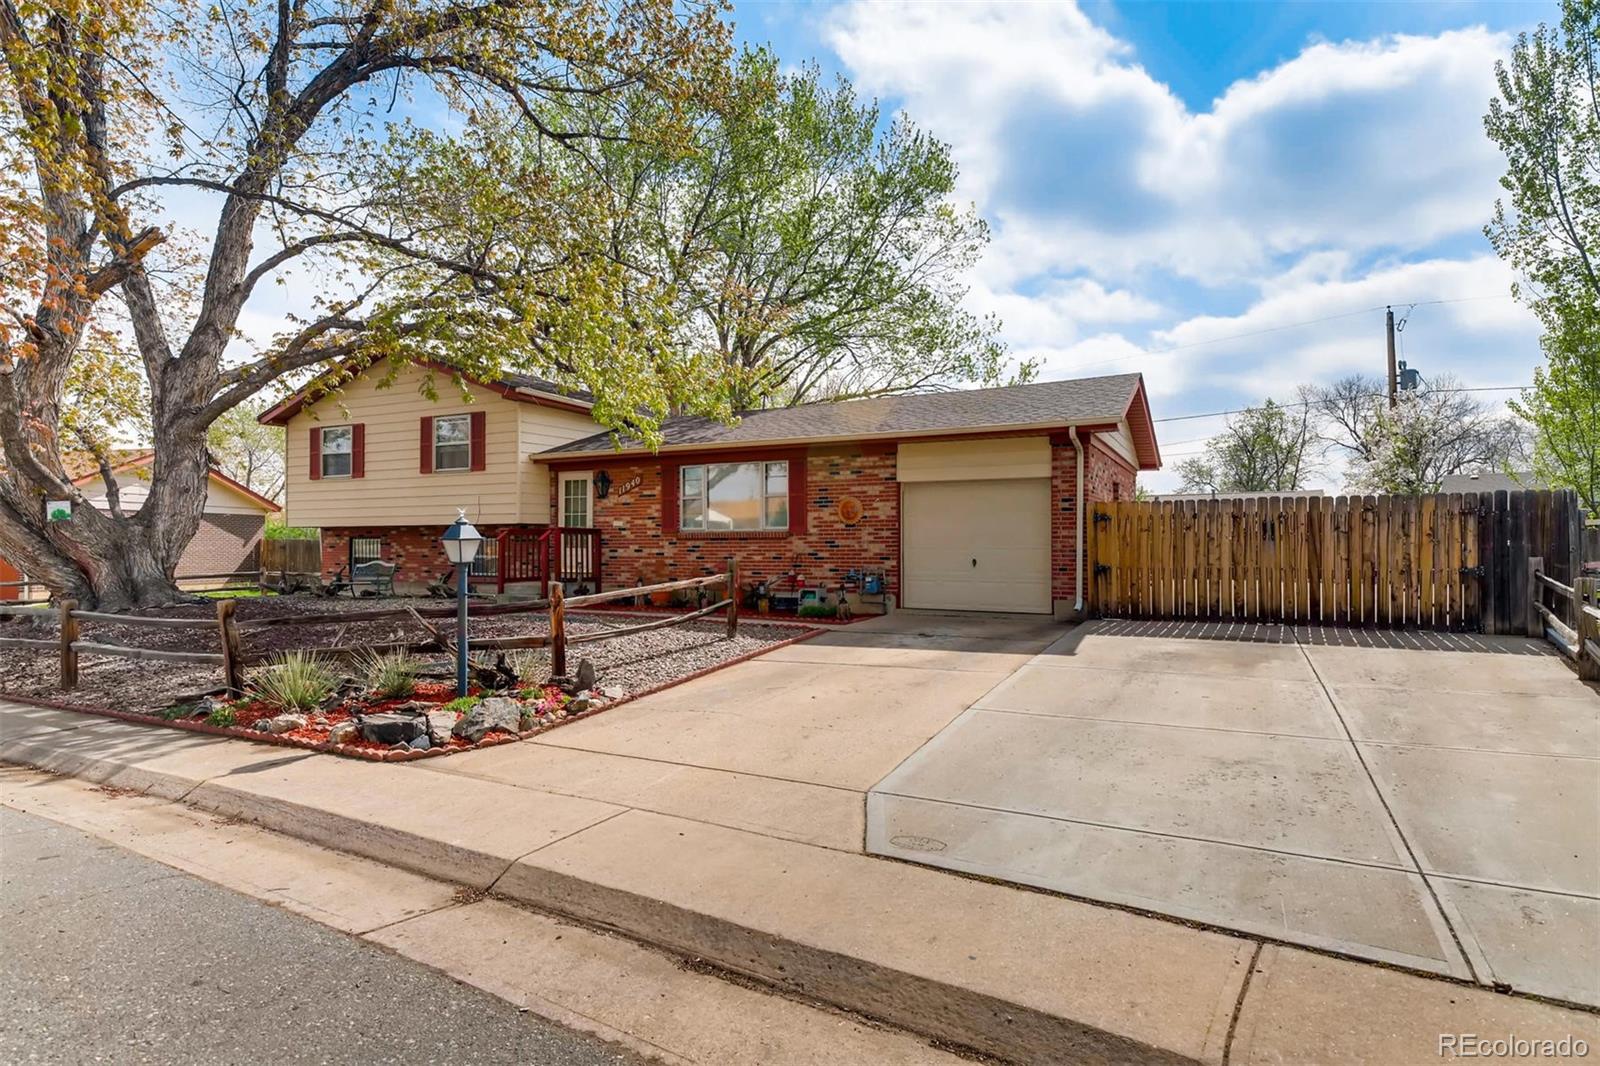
(1163, 177)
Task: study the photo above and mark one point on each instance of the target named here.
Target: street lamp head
(461, 540)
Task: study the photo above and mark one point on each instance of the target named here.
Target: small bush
(463, 704)
(222, 716)
(819, 610)
(392, 676)
(296, 681)
(176, 711)
(528, 664)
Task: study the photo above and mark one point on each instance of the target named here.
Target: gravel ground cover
(627, 665)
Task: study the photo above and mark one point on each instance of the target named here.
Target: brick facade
(1106, 477)
(224, 544)
(637, 547)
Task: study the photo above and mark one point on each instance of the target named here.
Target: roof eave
(842, 438)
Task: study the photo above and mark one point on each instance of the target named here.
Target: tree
(247, 451)
(1265, 449)
(277, 112)
(810, 244)
(1430, 434)
(1546, 120)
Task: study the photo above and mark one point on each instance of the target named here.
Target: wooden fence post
(558, 629)
(1535, 621)
(69, 634)
(232, 655)
(733, 599)
(1586, 593)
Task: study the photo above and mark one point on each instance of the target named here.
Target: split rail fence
(1456, 561)
(232, 659)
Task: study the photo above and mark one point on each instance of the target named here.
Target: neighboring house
(961, 500)
(1165, 497)
(1491, 481)
(227, 542)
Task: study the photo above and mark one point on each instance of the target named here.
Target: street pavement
(106, 956)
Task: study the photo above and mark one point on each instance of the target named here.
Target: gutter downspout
(1077, 512)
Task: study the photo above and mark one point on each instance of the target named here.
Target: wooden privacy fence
(1444, 561)
(296, 556)
(230, 656)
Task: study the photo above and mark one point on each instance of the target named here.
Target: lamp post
(461, 542)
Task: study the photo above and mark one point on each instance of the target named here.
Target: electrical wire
(1306, 403)
(1140, 352)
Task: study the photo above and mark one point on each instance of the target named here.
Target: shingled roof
(1099, 401)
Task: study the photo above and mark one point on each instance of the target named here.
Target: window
(452, 443)
(338, 451)
(575, 502)
(365, 550)
(734, 496)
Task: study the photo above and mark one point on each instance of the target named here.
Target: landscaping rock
(496, 714)
(579, 704)
(283, 723)
(440, 724)
(586, 675)
(203, 707)
(613, 692)
(422, 743)
(344, 733)
(392, 728)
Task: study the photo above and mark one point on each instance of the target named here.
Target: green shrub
(222, 716)
(819, 610)
(295, 681)
(176, 711)
(463, 704)
(392, 676)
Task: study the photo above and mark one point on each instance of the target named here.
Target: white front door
(577, 502)
(575, 510)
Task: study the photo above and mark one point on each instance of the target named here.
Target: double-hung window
(338, 451)
(734, 496)
(452, 442)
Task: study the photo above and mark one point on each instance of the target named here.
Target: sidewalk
(1018, 974)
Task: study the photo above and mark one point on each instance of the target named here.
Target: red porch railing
(547, 553)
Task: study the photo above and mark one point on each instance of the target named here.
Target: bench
(376, 576)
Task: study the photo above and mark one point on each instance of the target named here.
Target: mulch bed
(140, 690)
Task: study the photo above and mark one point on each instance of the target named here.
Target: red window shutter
(427, 444)
(358, 450)
(669, 497)
(316, 453)
(480, 444)
(797, 494)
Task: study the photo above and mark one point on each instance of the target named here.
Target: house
(967, 500)
(1491, 481)
(1289, 494)
(231, 526)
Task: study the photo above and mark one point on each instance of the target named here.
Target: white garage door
(977, 545)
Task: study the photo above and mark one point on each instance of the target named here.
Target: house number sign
(628, 485)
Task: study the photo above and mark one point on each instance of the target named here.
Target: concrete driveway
(1431, 801)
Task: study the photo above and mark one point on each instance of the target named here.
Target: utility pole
(1393, 376)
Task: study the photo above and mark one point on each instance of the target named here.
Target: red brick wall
(415, 550)
(224, 544)
(637, 547)
(1106, 477)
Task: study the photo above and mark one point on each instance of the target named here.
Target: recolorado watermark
(1473, 1046)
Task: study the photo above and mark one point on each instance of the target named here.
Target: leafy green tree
(1546, 121)
(798, 244)
(247, 451)
(1270, 448)
(277, 116)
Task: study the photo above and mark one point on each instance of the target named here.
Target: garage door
(977, 545)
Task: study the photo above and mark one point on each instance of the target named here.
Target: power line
(1306, 403)
(1137, 353)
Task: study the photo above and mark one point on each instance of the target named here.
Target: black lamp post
(461, 543)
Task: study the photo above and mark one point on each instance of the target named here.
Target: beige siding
(393, 490)
(974, 460)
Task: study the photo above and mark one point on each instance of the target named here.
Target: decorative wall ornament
(850, 510)
(602, 485)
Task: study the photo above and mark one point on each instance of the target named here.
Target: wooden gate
(1456, 561)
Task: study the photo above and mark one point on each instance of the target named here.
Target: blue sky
(1161, 179)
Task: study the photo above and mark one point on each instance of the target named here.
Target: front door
(575, 510)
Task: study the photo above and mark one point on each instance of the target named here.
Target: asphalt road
(106, 956)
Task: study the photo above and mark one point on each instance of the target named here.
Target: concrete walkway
(1435, 807)
(723, 820)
